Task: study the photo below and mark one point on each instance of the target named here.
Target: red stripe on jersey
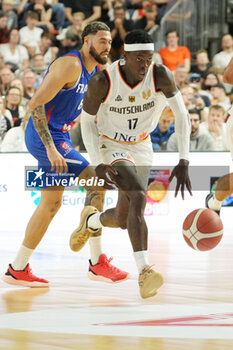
(154, 77)
(49, 113)
(126, 81)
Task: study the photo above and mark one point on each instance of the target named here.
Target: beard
(97, 56)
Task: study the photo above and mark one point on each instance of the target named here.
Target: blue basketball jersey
(67, 104)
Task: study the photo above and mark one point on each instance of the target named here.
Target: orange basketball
(202, 229)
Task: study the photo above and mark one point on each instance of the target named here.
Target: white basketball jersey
(129, 114)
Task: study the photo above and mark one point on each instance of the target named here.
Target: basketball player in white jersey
(128, 98)
(224, 186)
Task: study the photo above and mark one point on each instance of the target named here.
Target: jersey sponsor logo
(124, 137)
(131, 98)
(122, 155)
(118, 98)
(143, 135)
(67, 127)
(146, 94)
(119, 154)
(132, 109)
(65, 146)
(81, 88)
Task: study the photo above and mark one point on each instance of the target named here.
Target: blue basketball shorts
(75, 161)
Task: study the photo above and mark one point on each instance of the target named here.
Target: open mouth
(142, 74)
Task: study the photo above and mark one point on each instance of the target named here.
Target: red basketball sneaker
(24, 278)
(106, 272)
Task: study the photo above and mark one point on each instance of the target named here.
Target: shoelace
(108, 265)
(147, 269)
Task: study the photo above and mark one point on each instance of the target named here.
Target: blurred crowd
(33, 33)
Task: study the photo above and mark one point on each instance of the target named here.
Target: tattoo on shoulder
(41, 125)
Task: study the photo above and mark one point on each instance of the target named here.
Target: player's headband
(139, 47)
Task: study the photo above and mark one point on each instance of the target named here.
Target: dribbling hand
(181, 173)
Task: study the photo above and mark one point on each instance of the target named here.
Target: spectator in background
(117, 3)
(195, 81)
(76, 27)
(192, 100)
(18, 83)
(200, 139)
(148, 21)
(30, 35)
(180, 76)
(221, 59)
(38, 67)
(173, 55)
(219, 96)
(14, 53)
(44, 12)
(90, 8)
(202, 63)
(21, 6)
(3, 28)
(8, 10)
(6, 76)
(44, 48)
(58, 14)
(14, 140)
(29, 82)
(68, 42)
(216, 127)
(163, 131)
(13, 105)
(219, 73)
(5, 123)
(119, 28)
(187, 93)
(210, 80)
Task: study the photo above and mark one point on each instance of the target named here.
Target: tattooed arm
(63, 73)
(40, 123)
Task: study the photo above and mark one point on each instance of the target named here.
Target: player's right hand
(58, 163)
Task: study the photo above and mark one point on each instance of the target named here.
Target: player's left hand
(104, 171)
(181, 173)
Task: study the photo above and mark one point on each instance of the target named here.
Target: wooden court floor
(193, 310)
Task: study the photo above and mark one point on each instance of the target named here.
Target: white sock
(22, 258)
(94, 221)
(95, 248)
(214, 204)
(141, 259)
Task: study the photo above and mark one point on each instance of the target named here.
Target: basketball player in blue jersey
(128, 99)
(55, 105)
